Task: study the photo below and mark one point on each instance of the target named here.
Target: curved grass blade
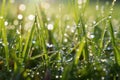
(116, 50)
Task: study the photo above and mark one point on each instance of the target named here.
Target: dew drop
(92, 36)
(32, 76)
(1, 17)
(50, 26)
(102, 78)
(15, 22)
(5, 23)
(18, 32)
(10, 70)
(33, 42)
(31, 17)
(72, 30)
(70, 59)
(104, 69)
(103, 60)
(110, 17)
(49, 45)
(95, 68)
(68, 27)
(43, 71)
(56, 66)
(57, 76)
(117, 75)
(28, 73)
(65, 34)
(60, 76)
(20, 16)
(48, 19)
(37, 73)
(79, 76)
(65, 40)
(94, 22)
(22, 7)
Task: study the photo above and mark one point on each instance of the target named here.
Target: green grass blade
(3, 33)
(80, 49)
(116, 50)
(28, 44)
(5, 42)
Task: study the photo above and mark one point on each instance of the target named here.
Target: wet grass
(67, 41)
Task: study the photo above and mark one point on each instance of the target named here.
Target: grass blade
(116, 50)
(80, 49)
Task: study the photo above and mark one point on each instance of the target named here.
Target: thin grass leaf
(66, 74)
(43, 30)
(4, 33)
(5, 42)
(25, 54)
(80, 49)
(116, 50)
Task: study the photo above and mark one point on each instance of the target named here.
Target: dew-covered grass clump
(59, 40)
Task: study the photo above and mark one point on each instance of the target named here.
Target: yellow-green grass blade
(3, 33)
(28, 44)
(80, 50)
(116, 50)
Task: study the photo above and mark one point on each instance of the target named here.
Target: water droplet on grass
(79, 76)
(68, 27)
(50, 26)
(31, 17)
(72, 30)
(66, 35)
(103, 60)
(56, 66)
(28, 74)
(110, 17)
(70, 59)
(5, 23)
(92, 36)
(95, 68)
(32, 76)
(102, 78)
(33, 42)
(10, 70)
(94, 22)
(49, 45)
(22, 7)
(104, 69)
(97, 7)
(1, 17)
(37, 73)
(18, 32)
(43, 71)
(117, 75)
(60, 76)
(15, 22)
(57, 76)
(65, 40)
(115, 32)
(20, 16)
